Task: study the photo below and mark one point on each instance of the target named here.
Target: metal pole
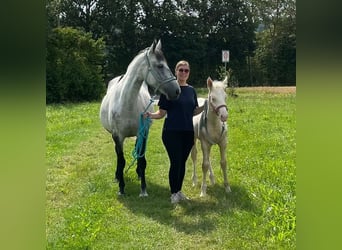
(225, 68)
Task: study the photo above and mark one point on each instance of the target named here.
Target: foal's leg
(211, 174)
(205, 166)
(223, 163)
(141, 167)
(194, 162)
(120, 164)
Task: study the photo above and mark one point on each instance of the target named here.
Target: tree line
(91, 41)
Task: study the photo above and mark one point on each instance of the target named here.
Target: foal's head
(217, 97)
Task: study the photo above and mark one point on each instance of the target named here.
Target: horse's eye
(160, 66)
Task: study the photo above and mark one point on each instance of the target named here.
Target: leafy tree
(73, 66)
(198, 30)
(116, 22)
(275, 59)
(230, 26)
(260, 35)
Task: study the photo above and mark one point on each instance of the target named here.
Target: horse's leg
(205, 166)
(120, 165)
(194, 162)
(141, 167)
(223, 163)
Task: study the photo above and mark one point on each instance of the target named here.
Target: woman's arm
(160, 113)
(198, 109)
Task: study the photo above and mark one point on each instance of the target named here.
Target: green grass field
(83, 210)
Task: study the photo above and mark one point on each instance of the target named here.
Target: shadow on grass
(199, 215)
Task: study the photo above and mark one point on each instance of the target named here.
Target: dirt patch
(283, 90)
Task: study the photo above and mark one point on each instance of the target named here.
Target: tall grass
(83, 210)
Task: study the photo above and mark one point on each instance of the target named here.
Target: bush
(73, 66)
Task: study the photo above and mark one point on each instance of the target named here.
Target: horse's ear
(156, 45)
(153, 46)
(159, 45)
(209, 83)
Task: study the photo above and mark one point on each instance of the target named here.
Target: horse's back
(113, 82)
(200, 101)
(119, 114)
(104, 113)
(196, 122)
(106, 104)
(197, 118)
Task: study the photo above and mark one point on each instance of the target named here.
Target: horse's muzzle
(223, 118)
(172, 91)
(222, 113)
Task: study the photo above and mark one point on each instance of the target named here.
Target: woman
(178, 131)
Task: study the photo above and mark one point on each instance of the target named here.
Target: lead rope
(144, 126)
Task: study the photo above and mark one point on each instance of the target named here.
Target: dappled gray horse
(128, 96)
(210, 128)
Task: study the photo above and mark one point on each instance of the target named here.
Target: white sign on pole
(225, 55)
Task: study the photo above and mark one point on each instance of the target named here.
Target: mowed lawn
(83, 210)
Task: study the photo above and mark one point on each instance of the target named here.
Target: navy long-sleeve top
(179, 112)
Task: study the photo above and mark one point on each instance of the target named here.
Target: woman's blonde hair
(181, 63)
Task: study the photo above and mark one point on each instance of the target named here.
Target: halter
(155, 75)
(216, 109)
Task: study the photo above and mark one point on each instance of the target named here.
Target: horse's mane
(142, 51)
(159, 54)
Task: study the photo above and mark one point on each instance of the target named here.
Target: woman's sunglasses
(183, 70)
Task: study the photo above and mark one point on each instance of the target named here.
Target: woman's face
(182, 72)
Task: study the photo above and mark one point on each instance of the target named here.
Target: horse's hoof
(143, 194)
(228, 190)
(121, 193)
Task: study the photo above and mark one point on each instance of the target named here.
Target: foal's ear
(209, 83)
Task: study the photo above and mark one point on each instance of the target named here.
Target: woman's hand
(147, 114)
(198, 110)
(160, 113)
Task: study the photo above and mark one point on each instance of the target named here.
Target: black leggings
(178, 145)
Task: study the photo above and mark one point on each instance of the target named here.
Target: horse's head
(217, 97)
(159, 75)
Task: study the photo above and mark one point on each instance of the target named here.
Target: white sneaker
(182, 196)
(175, 198)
